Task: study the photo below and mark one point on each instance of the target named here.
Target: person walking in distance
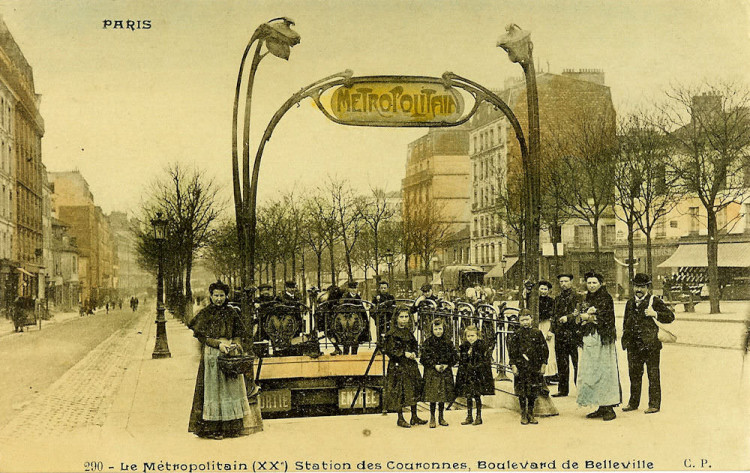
(567, 333)
(640, 338)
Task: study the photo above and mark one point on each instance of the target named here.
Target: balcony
(418, 178)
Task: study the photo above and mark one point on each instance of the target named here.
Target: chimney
(706, 104)
(595, 76)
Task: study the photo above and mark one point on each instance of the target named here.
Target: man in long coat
(640, 337)
(567, 333)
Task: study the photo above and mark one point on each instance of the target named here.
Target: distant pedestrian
(403, 382)
(119, 303)
(474, 377)
(438, 358)
(106, 305)
(640, 337)
(599, 379)
(528, 353)
(220, 404)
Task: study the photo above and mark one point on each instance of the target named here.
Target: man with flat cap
(384, 303)
(567, 333)
(426, 295)
(640, 339)
(290, 292)
(352, 292)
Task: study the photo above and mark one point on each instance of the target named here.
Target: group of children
(405, 386)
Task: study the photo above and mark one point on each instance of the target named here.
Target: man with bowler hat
(640, 339)
(567, 333)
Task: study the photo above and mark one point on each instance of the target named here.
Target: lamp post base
(161, 348)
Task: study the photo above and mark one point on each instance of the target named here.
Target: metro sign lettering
(388, 101)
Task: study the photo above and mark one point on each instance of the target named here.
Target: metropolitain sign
(396, 101)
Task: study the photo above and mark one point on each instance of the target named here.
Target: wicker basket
(236, 365)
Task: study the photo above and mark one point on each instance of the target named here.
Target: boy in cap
(528, 355)
(290, 292)
(426, 295)
(640, 339)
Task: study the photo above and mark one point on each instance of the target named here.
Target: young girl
(528, 353)
(438, 358)
(220, 404)
(403, 382)
(474, 377)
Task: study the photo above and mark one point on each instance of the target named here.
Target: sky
(120, 105)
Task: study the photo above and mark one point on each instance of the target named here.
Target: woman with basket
(220, 404)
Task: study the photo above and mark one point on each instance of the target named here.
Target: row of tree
(640, 167)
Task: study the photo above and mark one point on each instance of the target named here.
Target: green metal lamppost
(161, 348)
(278, 38)
(517, 43)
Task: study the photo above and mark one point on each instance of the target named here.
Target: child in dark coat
(438, 358)
(474, 376)
(528, 353)
(403, 382)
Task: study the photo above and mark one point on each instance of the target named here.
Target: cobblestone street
(82, 395)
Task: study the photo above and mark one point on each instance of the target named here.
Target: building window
(609, 235)
(492, 253)
(584, 236)
(661, 228)
(693, 213)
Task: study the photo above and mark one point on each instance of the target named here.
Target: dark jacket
(546, 307)
(403, 381)
(438, 351)
(214, 322)
(531, 343)
(382, 297)
(474, 376)
(605, 315)
(640, 332)
(565, 304)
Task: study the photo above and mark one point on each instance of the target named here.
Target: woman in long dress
(598, 375)
(220, 403)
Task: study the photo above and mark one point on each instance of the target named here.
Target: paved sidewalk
(7, 327)
(137, 412)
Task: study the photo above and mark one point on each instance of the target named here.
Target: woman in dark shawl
(598, 375)
(220, 404)
(403, 382)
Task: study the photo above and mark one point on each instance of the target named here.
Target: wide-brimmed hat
(641, 279)
(545, 283)
(290, 284)
(352, 284)
(565, 275)
(265, 286)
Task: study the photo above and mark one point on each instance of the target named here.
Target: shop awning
(731, 255)
(497, 271)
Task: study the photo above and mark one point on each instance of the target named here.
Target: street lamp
(161, 348)
(503, 264)
(389, 260)
(517, 43)
(278, 38)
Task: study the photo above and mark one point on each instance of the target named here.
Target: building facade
(496, 177)
(73, 204)
(437, 180)
(21, 143)
(131, 278)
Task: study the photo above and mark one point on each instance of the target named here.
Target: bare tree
(350, 222)
(189, 201)
(555, 210)
(375, 210)
(655, 183)
(586, 145)
(709, 128)
(426, 229)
